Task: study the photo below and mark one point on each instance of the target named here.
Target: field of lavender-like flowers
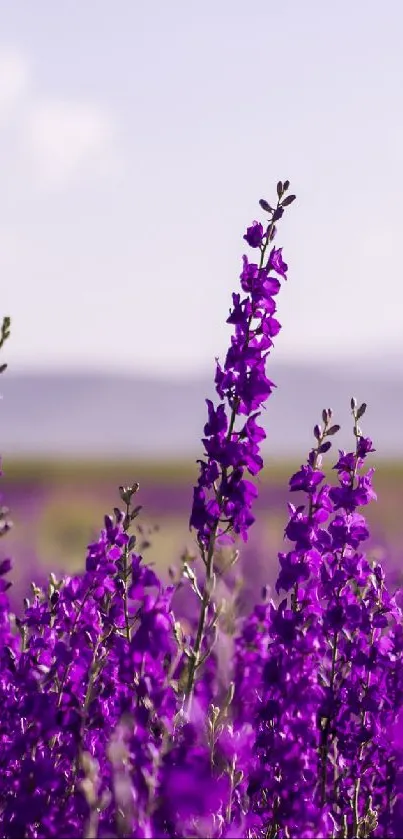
(235, 674)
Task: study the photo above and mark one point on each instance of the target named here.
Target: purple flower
(277, 263)
(306, 480)
(254, 234)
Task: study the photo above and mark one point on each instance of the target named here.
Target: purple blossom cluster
(120, 720)
(223, 496)
(331, 674)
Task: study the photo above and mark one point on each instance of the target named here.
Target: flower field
(237, 672)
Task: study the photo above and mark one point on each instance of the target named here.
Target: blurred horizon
(389, 364)
(110, 415)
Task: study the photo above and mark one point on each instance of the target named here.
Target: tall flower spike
(223, 497)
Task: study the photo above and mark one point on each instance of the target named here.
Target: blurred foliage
(277, 471)
(77, 495)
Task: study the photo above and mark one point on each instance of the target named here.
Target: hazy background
(136, 139)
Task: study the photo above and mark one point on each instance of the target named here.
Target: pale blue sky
(135, 141)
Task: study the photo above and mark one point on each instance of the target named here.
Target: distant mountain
(111, 415)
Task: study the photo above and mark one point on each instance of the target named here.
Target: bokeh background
(135, 142)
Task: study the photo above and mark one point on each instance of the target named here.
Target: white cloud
(51, 142)
(67, 139)
(14, 79)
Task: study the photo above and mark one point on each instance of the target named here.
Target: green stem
(125, 579)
